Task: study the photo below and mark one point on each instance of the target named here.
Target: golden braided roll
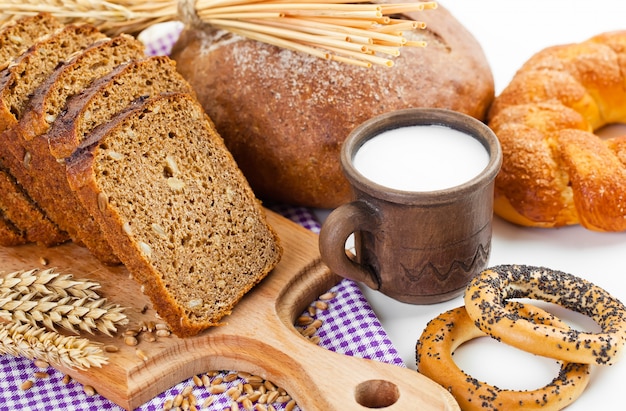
(555, 170)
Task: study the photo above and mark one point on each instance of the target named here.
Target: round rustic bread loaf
(284, 115)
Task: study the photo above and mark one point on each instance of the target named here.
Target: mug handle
(339, 225)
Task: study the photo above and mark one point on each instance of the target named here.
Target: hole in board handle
(376, 393)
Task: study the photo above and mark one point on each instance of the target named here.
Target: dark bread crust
(10, 235)
(285, 115)
(23, 216)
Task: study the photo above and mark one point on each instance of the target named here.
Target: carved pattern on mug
(480, 258)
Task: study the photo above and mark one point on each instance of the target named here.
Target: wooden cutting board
(258, 337)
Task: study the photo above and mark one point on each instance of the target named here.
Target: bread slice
(71, 78)
(48, 100)
(20, 79)
(20, 34)
(108, 96)
(24, 217)
(23, 220)
(177, 209)
(17, 84)
(46, 103)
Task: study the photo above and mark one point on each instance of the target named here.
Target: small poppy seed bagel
(555, 170)
(445, 333)
(487, 293)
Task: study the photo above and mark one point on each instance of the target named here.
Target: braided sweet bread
(555, 170)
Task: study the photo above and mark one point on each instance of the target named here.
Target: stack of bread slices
(109, 148)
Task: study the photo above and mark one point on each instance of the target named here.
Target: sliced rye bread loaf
(179, 212)
(24, 216)
(108, 96)
(27, 138)
(27, 218)
(18, 83)
(20, 34)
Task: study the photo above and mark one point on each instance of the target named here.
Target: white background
(510, 31)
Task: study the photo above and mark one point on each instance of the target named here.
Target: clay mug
(417, 245)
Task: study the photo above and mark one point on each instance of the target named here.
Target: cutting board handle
(270, 346)
(320, 379)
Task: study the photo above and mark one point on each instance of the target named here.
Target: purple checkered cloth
(350, 327)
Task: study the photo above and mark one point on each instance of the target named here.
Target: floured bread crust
(284, 115)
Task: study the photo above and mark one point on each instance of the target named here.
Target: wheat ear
(49, 298)
(27, 341)
(68, 312)
(48, 281)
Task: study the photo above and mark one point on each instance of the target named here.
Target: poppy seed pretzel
(487, 293)
(445, 333)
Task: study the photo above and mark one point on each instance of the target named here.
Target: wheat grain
(247, 404)
(187, 390)
(168, 405)
(290, 405)
(26, 385)
(148, 337)
(111, 348)
(217, 389)
(41, 375)
(232, 377)
(206, 380)
(327, 296)
(131, 340)
(255, 396)
(208, 402)
(89, 390)
(282, 399)
(321, 305)
(141, 354)
(41, 364)
(163, 333)
(198, 381)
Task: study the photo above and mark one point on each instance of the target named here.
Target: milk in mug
(421, 158)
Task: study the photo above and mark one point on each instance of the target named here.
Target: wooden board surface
(259, 337)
